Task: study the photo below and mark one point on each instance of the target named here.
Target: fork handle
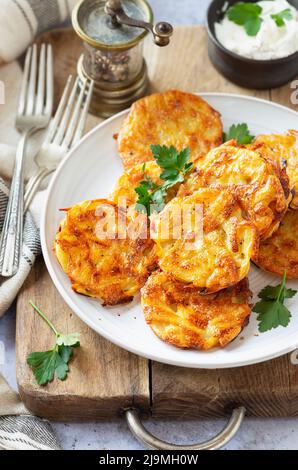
(34, 184)
(12, 232)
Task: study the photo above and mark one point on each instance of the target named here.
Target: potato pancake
(170, 118)
(261, 187)
(214, 248)
(180, 315)
(98, 260)
(284, 150)
(280, 252)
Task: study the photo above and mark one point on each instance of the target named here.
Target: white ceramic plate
(90, 171)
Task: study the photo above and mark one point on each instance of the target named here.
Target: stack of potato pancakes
(194, 292)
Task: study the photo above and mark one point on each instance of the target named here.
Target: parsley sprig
(45, 365)
(280, 17)
(175, 166)
(271, 309)
(240, 133)
(246, 14)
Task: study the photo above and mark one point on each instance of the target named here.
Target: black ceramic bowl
(246, 72)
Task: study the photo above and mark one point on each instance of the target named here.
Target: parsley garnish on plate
(175, 165)
(247, 15)
(271, 309)
(280, 17)
(45, 365)
(149, 194)
(240, 133)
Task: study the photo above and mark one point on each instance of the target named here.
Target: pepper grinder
(113, 33)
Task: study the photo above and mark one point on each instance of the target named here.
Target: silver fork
(65, 131)
(34, 113)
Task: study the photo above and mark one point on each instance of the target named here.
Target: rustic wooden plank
(262, 388)
(286, 95)
(269, 382)
(184, 64)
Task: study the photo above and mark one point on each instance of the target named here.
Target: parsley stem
(44, 317)
(282, 287)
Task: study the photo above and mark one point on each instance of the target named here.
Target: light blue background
(180, 11)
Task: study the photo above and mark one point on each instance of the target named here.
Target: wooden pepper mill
(113, 33)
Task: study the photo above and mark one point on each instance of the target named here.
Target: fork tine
(22, 98)
(55, 122)
(32, 82)
(50, 81)
(84, 114)
(41, 80)
(74, 118)
(59, 136)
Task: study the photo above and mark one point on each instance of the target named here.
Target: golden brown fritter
(180, 315)
(98, 261)
(214, 249)
(260, 186)
(169, 118)
(280, 252)
(284, 150)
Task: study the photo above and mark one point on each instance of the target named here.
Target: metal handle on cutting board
(216, 442)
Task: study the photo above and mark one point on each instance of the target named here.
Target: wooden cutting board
(105, 379)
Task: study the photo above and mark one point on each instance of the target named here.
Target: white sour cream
(271, 42)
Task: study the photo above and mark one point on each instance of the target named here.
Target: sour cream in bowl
(254, 43)
(269, 29)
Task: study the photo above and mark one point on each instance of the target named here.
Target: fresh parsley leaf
(246, 14)
(271, 309)
(240, 133)
(62, 369)
(175, 165)
(280, 17)
(171, 181)
(149, 202)
(241, 11)
(271, 293)
(72, 339)
(45, 365)
(149, 183)
(271, 315)
(168, 158)
(183, 158)
(252, 26)
(169, 174)
(158, 199)
(188, 167)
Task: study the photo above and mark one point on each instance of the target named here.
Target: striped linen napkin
(19, 430)
(11, 75)
(22, 20)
